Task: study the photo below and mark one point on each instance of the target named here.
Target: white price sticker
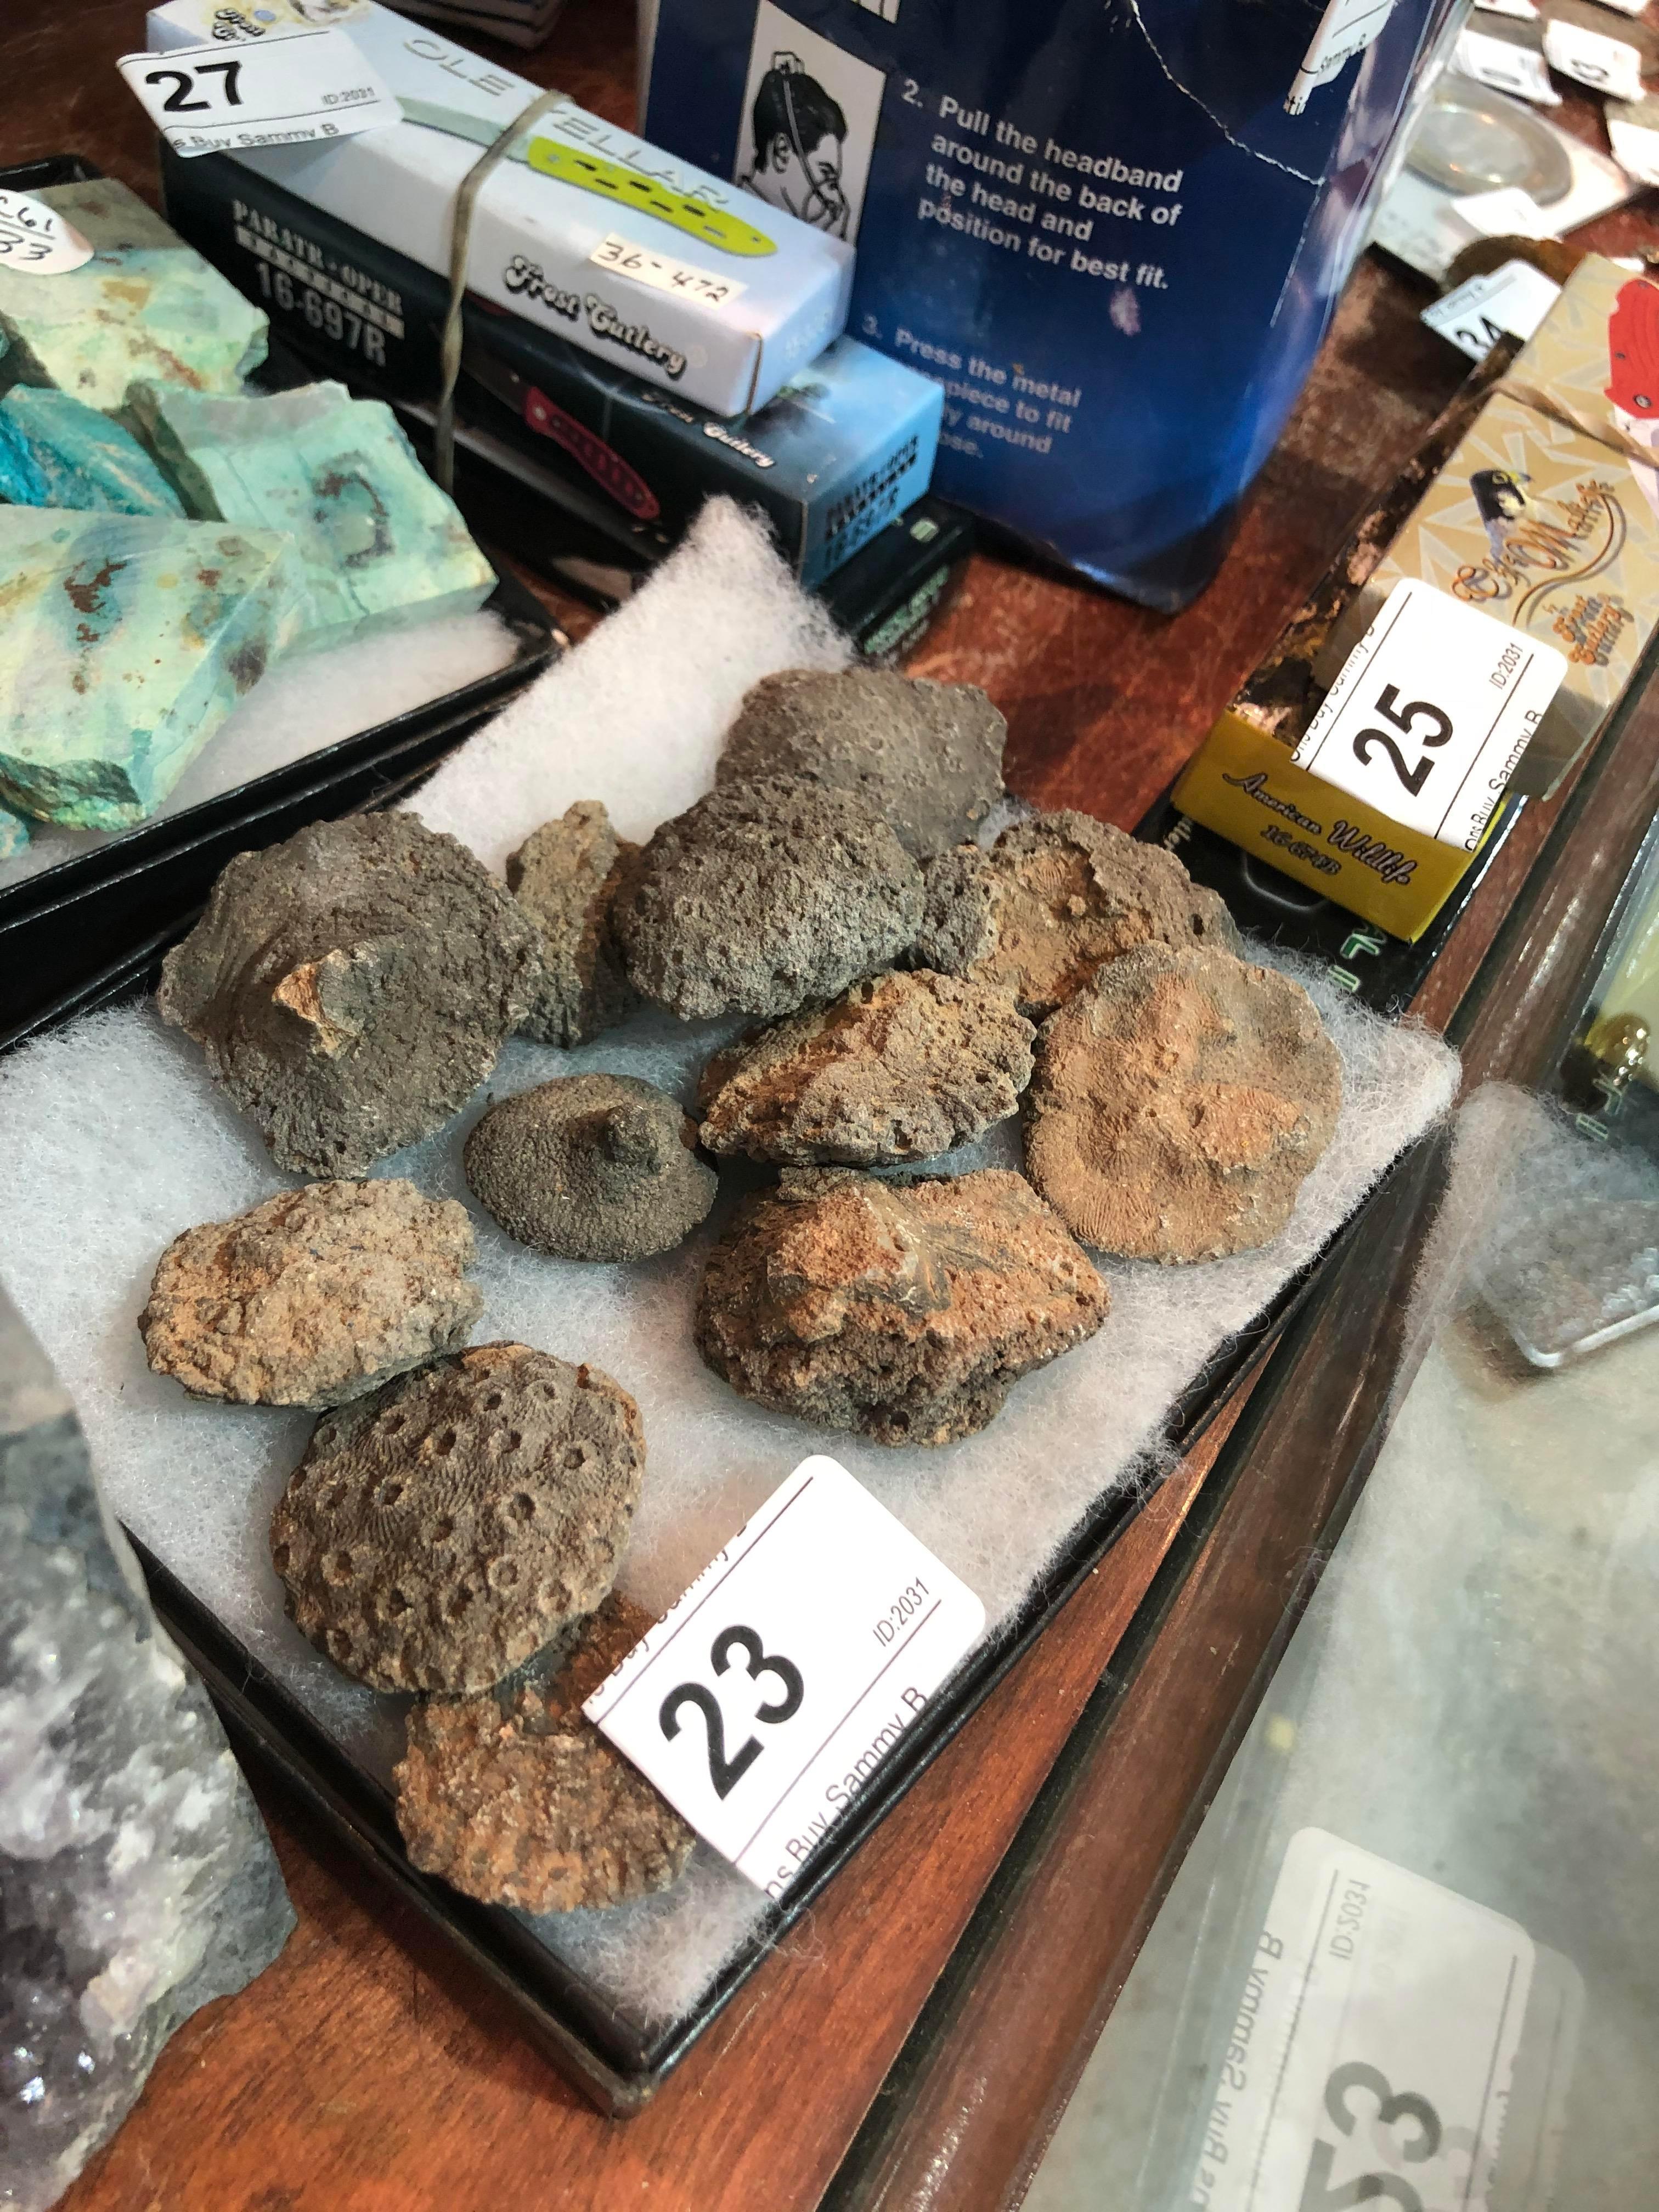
(1506, 213)
(286, 91)
(35, 241)
(1375, 2051)
(1607, 64)
(1510, 301)
(1506, 67)
(1345, 28)
(764, 1701)
(1518, 11)
(1635, 145)
(665, 274)
(1431, 713)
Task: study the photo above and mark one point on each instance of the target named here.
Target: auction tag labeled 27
(1373, 2057)
(279, 92)
(765, 1699)
(1432, 712)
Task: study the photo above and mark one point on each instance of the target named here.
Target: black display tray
(618, 2064)
(67, 930)
(615, 2063)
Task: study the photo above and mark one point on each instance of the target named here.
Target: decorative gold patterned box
(1543, 512)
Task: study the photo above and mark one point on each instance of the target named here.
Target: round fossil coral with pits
(438, 1533)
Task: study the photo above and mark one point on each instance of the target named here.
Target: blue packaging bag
(1114, 230)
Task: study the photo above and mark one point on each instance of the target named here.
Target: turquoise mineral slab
(55, 450)
(125, 641)
(382, 546)
(145, 306)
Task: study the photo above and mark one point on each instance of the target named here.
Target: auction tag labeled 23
(765, 1699)
(1431, 713)
(288, 91)
(1373, 2056)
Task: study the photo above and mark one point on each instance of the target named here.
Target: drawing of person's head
(799, 135)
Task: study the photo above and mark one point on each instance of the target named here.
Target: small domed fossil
(591, 1167)
(314, 1296)
(436, 1534)
(518, 1799)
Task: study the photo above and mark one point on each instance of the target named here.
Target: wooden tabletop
(368, 2071)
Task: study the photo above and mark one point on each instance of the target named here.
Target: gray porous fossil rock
(566, 876)
(1179, 1102)
(591, 1167)
(515, 1798)
(905, 1310)
(437, 1533)
(137, 1882)
(352, 987)
(765, 896)
(313, 1297)
(958, 911)
(926, 755)
(1057, 895)
(900, 1068)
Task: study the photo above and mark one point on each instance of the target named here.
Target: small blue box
(846, 445)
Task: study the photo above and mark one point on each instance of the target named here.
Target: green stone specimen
(55, 450)
(22, 479)
(145, 306)
(15, 834)
(382, 546)
(125, 641)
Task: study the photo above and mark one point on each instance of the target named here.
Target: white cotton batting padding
(301, 707)
(636, 717)
(118, 1140)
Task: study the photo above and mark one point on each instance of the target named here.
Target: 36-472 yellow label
(629, 188)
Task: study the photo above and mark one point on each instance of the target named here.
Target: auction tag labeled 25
(765, 1699)
(229, 99)
(1374, 2052)
(1432, 712)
